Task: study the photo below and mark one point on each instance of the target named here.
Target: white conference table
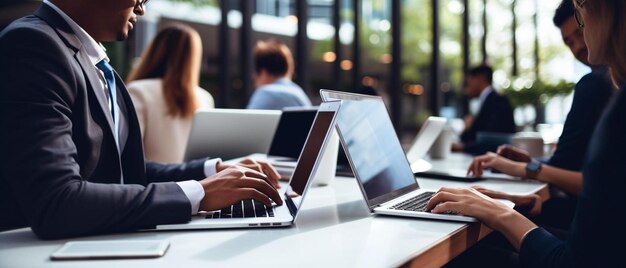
(334, 229)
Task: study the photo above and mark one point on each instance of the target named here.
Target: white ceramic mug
(532, 142)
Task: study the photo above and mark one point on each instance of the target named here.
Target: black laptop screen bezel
(331, 109)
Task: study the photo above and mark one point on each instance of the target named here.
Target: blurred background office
(415, 52)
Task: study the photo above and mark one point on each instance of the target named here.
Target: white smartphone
(111, 249)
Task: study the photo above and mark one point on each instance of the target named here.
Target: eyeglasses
(143, 2)
(578, 4)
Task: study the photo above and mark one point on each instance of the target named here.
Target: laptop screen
(291, 133)
(306, 163)
(371, 144)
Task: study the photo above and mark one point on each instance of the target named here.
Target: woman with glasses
(600, 219)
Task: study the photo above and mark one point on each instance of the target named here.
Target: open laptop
(230, 133)
(289, 137)
(378, 161)
(251, 213)
(424, 139)
(422, 143)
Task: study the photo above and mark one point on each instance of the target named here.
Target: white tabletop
(334, 229)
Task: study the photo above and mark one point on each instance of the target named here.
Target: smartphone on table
(116, 249)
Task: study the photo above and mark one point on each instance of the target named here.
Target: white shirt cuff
(210, 166)
(194, 192)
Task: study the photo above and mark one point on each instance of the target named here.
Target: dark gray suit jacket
(60, 167)
(496, 116)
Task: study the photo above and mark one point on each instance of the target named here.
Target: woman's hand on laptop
(497, 162)
(529, 204)
(468, 201)
(236, 183)
(493, 213)
(258, 166)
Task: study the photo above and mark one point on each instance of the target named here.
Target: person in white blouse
(164, 89)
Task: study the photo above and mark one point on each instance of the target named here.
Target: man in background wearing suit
(495, 114)
(72, 157)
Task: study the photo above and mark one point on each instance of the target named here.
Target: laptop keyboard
(416, 203)
(248, 208)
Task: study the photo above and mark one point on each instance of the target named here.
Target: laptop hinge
(291, 206)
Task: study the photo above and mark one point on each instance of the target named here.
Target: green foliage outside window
(538, 94)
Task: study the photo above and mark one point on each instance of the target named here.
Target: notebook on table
(378, 161)
(253, 214)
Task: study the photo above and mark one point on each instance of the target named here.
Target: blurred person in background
(165, 89)
(274, 67)
(495, 114)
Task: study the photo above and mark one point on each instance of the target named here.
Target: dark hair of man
(274, 57)
(482, 70)
(563, 12)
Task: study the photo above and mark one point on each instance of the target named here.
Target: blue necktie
(106, 68)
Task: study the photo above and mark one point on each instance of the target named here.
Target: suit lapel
(131, 150)
(66, 33)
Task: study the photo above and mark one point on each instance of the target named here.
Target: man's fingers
(251, 193)
(251, 164)
(264, 168)
(265, 178)
(248, 172)
(262, 186)
(271, 172)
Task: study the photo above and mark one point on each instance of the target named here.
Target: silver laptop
(251, 213)
(289, 137)
(378, 161)
(422, 143)
(230, 133)
(424, 139)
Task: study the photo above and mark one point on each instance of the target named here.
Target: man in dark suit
(72, 157)
(495, 114)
